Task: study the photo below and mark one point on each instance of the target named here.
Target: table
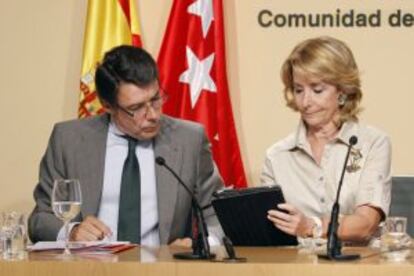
(159, 261)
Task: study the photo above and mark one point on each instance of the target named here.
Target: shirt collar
(117, 134)
(113, 129)
(348, 129)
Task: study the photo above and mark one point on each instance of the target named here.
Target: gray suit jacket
(77, 149)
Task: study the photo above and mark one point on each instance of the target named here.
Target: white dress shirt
(116, 153)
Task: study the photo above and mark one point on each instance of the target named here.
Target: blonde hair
(331, 61)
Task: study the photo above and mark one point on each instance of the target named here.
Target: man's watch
(317, 228)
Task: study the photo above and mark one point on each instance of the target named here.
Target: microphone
(200, 245)
(231, 253)
(334, 246)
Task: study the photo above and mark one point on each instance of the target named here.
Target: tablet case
(243, 216)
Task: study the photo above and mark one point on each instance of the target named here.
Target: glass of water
(395, 242)
(2, 217)
(14, 236)
(66, 204)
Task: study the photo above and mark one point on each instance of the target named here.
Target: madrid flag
(109, 23)
(193, 73)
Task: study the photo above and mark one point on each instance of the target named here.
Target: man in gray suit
(95, 151)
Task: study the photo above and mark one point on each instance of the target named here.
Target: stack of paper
(96, 246)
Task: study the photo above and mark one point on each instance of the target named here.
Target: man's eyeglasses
(141, 110)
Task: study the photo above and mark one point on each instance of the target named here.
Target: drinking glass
(2, 220)
(66, 204)
(395, 242)
(14, 236)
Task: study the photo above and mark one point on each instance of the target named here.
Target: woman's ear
(342, 97)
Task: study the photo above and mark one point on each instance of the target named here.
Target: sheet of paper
(53, 245)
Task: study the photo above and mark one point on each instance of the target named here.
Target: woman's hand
(293, 222)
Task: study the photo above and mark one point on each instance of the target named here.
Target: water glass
(2, 216)
(66, 204)
(311, 245)
(395, 242)
(14, 236)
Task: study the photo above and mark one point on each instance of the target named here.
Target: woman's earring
(342, 99)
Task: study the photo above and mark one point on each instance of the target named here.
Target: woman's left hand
(293, 221)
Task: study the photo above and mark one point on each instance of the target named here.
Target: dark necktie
(129, 219)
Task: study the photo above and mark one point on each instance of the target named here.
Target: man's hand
(186, 242)
(294, 222)
(90, 229)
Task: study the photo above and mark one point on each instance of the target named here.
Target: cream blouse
(312, 188)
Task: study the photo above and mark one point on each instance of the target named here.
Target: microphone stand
(334, 245)
(200, 245)
(199, 235)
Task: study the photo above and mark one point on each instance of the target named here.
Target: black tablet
(243, 216)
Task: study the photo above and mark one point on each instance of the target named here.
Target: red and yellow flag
(109, 23)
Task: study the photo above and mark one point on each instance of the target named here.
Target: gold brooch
(356, 157)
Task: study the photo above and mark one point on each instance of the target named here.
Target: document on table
(95, 246)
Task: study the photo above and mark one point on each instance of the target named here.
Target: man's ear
(108, 108)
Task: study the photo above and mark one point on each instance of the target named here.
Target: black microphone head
(353, 140)
(160, 161)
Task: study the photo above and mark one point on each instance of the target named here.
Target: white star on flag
(197, 75)
(204, 9)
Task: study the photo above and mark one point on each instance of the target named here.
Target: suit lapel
(167, 185)
(91, 160)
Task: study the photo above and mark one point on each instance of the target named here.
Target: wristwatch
(317, 228)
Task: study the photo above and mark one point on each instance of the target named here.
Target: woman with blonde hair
(322, 84)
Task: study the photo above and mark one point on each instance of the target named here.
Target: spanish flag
(109, 23)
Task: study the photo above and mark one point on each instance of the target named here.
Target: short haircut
(124, 64)
(331, 61)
